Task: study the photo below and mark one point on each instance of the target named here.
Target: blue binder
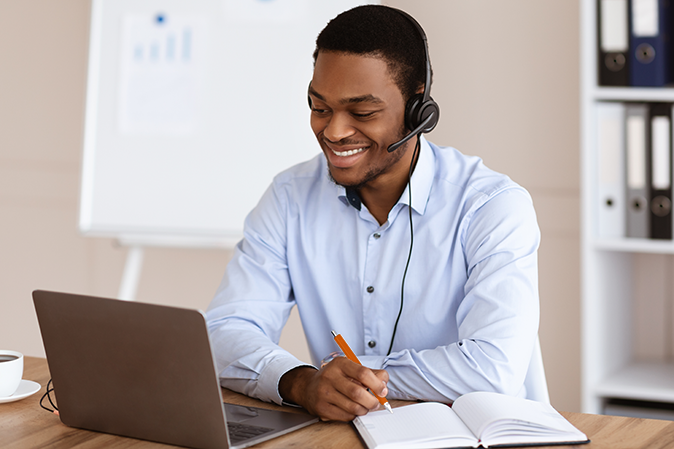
(650, 43)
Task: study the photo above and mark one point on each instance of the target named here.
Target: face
(357, 112)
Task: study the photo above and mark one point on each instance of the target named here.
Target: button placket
(373, 259)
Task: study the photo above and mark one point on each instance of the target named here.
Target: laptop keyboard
(240, 432)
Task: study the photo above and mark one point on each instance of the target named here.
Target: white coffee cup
(11, 372)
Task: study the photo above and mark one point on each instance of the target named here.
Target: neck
(380, 196)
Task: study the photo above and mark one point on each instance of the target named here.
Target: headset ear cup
(428, 108)
(412, 110)
(417, 110)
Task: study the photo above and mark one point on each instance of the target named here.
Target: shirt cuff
(271, 376)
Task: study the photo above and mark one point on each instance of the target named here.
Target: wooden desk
(23, 424)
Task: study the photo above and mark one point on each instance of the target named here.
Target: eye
(363, 115)
(319, 111)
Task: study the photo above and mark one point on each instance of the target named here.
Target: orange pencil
(351, 356)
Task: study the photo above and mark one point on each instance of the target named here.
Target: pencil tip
(388, 407)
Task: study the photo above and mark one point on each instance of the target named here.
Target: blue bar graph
(187, 44)
(164, 43)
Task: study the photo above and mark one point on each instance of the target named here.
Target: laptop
(145, 371)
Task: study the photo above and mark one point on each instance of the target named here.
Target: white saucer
(26, 388)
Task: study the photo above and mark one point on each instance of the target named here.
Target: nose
(339, 127)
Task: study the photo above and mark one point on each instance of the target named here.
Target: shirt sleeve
(252, 305)
(497, 319)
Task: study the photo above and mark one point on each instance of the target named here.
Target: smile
(348, 153)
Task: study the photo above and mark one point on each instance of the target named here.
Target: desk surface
(24, 424)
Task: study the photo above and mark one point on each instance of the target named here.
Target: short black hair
(379, 31)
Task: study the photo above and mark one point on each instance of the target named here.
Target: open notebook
(475, 419)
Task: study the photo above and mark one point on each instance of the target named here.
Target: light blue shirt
(471, 308)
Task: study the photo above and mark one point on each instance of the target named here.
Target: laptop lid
(140, 370)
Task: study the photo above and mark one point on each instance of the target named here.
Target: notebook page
(430, 422)
(515, 416)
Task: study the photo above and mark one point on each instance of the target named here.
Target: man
(333, 236)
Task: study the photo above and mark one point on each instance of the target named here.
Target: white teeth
(348, 153)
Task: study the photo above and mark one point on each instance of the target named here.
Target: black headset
(421, 111)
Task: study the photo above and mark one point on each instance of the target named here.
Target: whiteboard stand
(131, 276)
(137, 244)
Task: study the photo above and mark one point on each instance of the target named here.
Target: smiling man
(356, 115)
(421, 257)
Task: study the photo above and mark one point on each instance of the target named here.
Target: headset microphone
(419, 129)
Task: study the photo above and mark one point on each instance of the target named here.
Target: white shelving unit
(627, 284)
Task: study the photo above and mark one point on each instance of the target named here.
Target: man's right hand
(338, 391)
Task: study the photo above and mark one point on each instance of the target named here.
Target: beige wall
(506, 78)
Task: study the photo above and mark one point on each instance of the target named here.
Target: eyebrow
(368, 98)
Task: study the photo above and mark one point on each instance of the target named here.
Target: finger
(352, 395)
(356, 393)
(331, 412)
(341, 408)
(331, 390)
(368, 378)
(383, 376)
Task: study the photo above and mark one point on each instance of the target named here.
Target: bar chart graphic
(160, 68)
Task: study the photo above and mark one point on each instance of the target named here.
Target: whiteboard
(192, 107)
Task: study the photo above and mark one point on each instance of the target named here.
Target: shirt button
(376, 235)
(372, 343)
(370, 289)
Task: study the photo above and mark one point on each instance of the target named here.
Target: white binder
(611, 204)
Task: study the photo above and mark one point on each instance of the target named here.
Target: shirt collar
(422, 180)
(352, 197)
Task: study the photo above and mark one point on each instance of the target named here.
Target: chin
(350, 182)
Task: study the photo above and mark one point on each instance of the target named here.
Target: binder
(638, 184)
(610, 173)
(661, 170)
(613, 39)
(650, 56)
